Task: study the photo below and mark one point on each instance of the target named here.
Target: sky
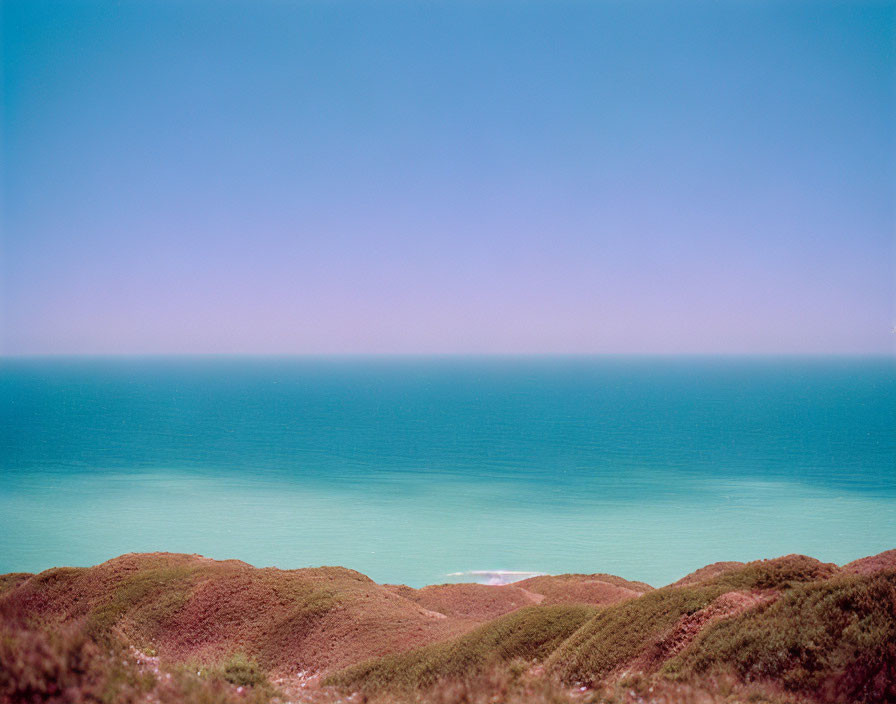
(481, 177)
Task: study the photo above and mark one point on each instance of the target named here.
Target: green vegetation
(781, 573)
(59, 576)
(835, 638)
(516, 683)
(588, 645)
(619, 632)
(784, 631)
(66, 666)
(305, 601)
(241, 670)
(149, 597)
(528, 634)
(303, 605)
(538, 584)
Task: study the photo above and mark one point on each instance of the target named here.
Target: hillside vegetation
(181, 628)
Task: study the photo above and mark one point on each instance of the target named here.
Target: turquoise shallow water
(411, 469)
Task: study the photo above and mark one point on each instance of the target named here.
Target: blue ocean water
(413, 469)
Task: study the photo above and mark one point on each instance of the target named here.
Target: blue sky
(448, 177)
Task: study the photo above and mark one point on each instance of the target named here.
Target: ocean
(423, 470)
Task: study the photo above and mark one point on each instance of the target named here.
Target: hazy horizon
(448, 355)
(408, 469)
(448, 178)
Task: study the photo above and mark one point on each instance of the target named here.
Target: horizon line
(495, 355)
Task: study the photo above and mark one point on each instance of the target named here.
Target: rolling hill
(169, 627)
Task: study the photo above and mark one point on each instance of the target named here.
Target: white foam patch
(496, 577)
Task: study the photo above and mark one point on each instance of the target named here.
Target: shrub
(241, 670)
(835, 639)
(619, 632)
(65, 666)
(781, 573)
(528, 634)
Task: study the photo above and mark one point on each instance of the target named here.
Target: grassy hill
(182, 628)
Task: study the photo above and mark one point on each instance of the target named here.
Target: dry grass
(786, 630)
(549, 583)
(596, 589)
(185, 607)
(12, 580)
(884, 561)
(529, 635)
(474, 602)
(65, 665)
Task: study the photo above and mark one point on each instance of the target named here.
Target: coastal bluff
(170, 627)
